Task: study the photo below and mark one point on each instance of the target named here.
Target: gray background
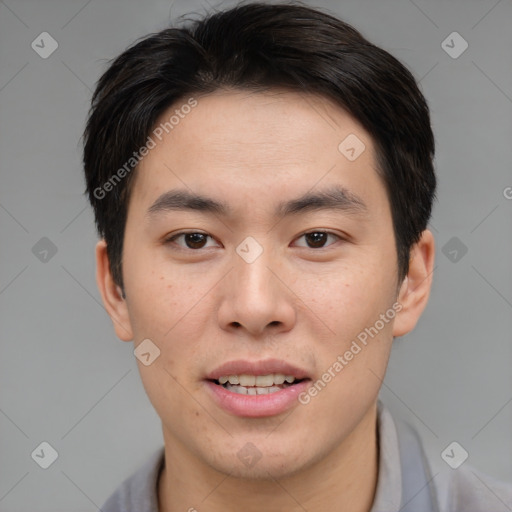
(64, 376)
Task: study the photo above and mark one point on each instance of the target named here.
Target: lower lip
(255, 406)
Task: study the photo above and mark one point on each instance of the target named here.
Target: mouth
(245, 384)
(256, 389)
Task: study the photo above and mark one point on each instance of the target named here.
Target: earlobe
(112, 295)
(415, 289)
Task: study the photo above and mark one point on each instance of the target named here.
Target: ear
(415, 289)
(112, 294)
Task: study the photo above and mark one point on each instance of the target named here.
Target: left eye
(318, 238)
(196, 240)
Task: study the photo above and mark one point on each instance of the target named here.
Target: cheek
(156, 299)
(169, 308)
(352, 362)
(349, 298)
(357, 306)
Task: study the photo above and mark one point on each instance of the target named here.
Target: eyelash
(182, 233)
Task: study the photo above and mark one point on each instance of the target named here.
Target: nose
(256, 296)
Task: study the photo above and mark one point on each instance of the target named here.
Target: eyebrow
(331, 198)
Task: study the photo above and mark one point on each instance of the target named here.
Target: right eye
(194, 240)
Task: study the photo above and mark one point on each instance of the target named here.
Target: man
(262, 181)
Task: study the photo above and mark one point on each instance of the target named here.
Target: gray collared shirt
(461, 490)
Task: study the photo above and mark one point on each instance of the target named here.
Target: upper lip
(265, 367)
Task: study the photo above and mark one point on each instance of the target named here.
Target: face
(274, 284)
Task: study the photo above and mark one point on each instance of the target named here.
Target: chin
(261, 471)
(262, 465)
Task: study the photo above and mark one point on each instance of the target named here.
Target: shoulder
(467, 489)
(402, 455)
(138, 492)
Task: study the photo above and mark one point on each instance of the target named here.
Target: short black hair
(255, 47)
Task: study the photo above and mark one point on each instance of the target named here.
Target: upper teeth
(259, 380)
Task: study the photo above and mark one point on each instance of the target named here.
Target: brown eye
(193, 240)
(317, 239)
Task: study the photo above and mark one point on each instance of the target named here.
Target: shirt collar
(388, 494)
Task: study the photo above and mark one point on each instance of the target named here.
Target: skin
(297, 301)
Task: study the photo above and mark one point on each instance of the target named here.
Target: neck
(344, 481)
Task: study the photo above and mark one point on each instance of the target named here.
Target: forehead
(254, 146)
(278, 124)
